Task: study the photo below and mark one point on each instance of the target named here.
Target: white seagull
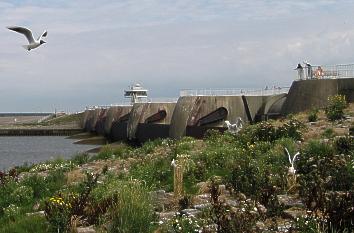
(235, 128)
(291, 170)
(173, 163)
(33, 43)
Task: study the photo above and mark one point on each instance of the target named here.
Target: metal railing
(235, 92)
(162, 100)
(327, 71)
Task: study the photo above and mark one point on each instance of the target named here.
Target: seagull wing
(228, 124)
(297, 154)
(286, 150)
(25, 31)
(44, 34)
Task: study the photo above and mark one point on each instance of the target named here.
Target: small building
(136, 93)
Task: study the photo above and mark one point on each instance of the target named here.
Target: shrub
(57, 212)
(335, 107)
(22, 195)
(38, 185)
(155, 171)
(326, 182)
(80, 158)
(328, 133)
(240, 218)
(181, 223)
(6, 190)
(132, 211)
(312, 116)
(28, 224)
(344, 145)
(291, 129)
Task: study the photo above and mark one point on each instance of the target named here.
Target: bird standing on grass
(33, 43)
(291, 170)
(235, 128)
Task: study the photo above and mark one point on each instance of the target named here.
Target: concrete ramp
(308, 94)
(148, 121)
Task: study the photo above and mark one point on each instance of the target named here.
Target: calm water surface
(19, 150)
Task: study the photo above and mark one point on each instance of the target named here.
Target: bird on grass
(234, 128)
(32, 42)
(291, 170)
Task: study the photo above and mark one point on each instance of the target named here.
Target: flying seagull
(33, 43)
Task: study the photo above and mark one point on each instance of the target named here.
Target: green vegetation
(313, 115)
(335, 107)
(114, 190)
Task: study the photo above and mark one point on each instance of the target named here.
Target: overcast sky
(96, 49)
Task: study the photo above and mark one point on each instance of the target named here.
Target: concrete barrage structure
(148, 121)
(193, 115)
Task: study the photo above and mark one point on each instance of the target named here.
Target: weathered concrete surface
(181, 115)
(307, 94)
(271, 106)
(113, 114)
(190, 109)
(96, 116)
(139, 129)
(101, 121)
(119, 131)
(88, 119)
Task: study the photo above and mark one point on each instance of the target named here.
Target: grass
(252, 163)
(23, 223)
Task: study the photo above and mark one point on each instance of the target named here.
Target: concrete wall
(101, 121)
(113, 114)
(88, 119)
(138, 129)
(190, 109)
(308, 94)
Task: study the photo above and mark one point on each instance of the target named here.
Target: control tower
(136, 93)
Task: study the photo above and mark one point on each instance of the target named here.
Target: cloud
(96, 49)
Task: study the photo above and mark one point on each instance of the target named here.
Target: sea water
(15, 151)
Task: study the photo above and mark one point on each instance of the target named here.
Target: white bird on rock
(291, 170)
(234, 128)
(33, 43)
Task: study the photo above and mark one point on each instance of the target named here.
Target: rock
(88, 229)
(242, 196)
(160, 193)
(222, 188)
(294, 213)
(167, 215)
(260, 226)
(205, 196)
(202, 206)
(232, 203)
(203, 187)
(290, 201)
(191, 212)
(39, 213)
(261, 208)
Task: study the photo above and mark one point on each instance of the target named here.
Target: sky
(97, 48)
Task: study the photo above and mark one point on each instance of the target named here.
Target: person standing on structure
(300, 71)
(309, 70)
